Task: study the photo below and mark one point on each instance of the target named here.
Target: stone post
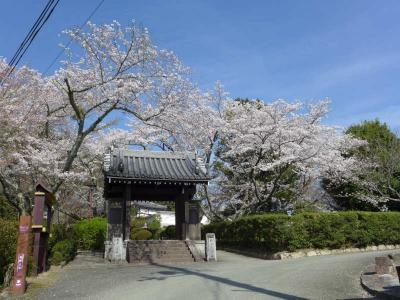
(211, 247)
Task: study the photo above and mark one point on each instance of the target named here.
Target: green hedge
(90, 233)
(278, 232)
(62, 251)
(8, 244)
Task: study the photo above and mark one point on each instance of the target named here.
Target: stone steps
(163, 251)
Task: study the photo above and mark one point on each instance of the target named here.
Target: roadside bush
(57, 258)
(60, 232)
(278, 232)
(8, 242)
(90, 234)
(62, 251)
(140, 234)
(168, 233)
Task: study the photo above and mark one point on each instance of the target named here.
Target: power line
(70, 40)
(35, 29)
(34, 35)
(31, 31)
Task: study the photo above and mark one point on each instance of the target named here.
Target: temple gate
(151, 176)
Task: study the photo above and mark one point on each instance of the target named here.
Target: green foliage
(151, 224)
(62, 251)
(169, 233)
(91, 233)
(8, 243)
(154, 224)
(62, 244)
(138, 222)
(60, 232)
(374, 132)
(7, 211)
(383, 150)
(140, 234)
(134, 211)
(278, 232)
(57, 258)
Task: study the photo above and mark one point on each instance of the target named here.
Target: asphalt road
(232, 277)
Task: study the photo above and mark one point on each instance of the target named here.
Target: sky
(345, 50)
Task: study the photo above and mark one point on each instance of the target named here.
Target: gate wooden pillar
(193, 220)
(126, 217)
(180, 218)
(187, 215)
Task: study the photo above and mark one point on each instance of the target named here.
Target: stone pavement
(233, 277)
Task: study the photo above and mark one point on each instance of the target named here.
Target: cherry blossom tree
(262, 156)
(195, 125)
(110, 71)
(273, 152)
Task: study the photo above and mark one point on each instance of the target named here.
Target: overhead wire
(34, 35)
(25, 44)
(70, 40)
(34, 26)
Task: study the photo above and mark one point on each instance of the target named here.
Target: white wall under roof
(167, 217)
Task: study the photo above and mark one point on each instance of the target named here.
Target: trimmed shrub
(154, 226)
(138, 222)
(168, 233)
(140, 234)
(57, 258)
(278, 232)
(62, 251)
(154, 223)
(151, 224)
(8, 244)
(90, 234)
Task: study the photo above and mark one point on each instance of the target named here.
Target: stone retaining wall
(307, 252)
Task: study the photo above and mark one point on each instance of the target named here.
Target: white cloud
(353, 70)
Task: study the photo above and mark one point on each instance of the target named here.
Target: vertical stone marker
(211, 247)
(21, 258)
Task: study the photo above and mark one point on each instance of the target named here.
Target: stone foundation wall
(307, 252)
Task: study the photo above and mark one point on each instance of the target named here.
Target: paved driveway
(233, 277)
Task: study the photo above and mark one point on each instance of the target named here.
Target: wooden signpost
(40, 228)
(22, 255)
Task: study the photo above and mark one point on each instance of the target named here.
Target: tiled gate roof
(147, 165)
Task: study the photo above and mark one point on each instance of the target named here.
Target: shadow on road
(180, 271)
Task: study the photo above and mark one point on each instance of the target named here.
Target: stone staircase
(162, 251)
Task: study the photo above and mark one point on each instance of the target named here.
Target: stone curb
(373, 285)
(90, 253)
(308, 252)
(318, 252)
